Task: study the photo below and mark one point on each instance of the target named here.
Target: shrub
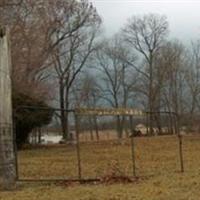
(26, 119)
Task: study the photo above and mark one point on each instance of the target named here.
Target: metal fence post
(180, 141)
(77, 123)
(132, 146)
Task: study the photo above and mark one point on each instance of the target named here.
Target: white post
(7, 155)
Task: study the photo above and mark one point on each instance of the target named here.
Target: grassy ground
(157, 164)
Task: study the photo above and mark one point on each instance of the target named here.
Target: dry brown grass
(156, 159)
(104, 135)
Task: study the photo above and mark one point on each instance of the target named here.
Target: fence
(88, 160)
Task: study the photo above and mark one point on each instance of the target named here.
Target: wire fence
(101, 153)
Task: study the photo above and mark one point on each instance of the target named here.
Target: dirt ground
(157, 166)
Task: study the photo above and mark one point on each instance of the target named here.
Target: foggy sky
(183, 15)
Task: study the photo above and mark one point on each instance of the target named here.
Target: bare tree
(34, 27)
(192, 78)
(72, 54)
(171, 62)
(30, 39)
(90, 96)
(59, 33)
(146, 35)
(117, 77)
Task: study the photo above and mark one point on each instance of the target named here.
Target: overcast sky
(183, 15)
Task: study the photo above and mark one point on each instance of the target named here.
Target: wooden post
(91, 128)
(96, 127)
(15, 146)
(181, 152)
(78, 146)
(132, 146)
(147, 123)
(7, 155)
(180, 142)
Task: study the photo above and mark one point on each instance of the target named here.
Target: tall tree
(117, 77)
(146, 35)
(38, 29)
(73, 53)
(171, 88)
(192, 78)
(90, 96)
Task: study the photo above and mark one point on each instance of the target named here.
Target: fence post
(15, 146)
(77, 123)
(132, 145)
(7, 155)
(180, 142)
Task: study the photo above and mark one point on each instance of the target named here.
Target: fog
(183, 16)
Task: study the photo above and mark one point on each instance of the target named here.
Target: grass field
(157, 166)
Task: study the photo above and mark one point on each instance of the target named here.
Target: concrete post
(7, 155)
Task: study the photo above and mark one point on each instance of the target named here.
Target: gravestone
(7, 155)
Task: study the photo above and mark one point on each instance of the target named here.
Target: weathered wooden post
(180, 142)
(77, 123)
(132, 145)
(7, 155)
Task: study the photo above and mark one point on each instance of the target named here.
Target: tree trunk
(151, 94)
(119, 128)
(171, 119)
(91, 128)
(64, 114)
(126, 127)
(96, 127)
(39, 136)
(158, 122)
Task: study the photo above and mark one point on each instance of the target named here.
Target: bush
(26, 119)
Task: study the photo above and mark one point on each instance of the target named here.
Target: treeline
(59, 57)
(141, 67)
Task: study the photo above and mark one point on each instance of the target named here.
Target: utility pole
(7, 154)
